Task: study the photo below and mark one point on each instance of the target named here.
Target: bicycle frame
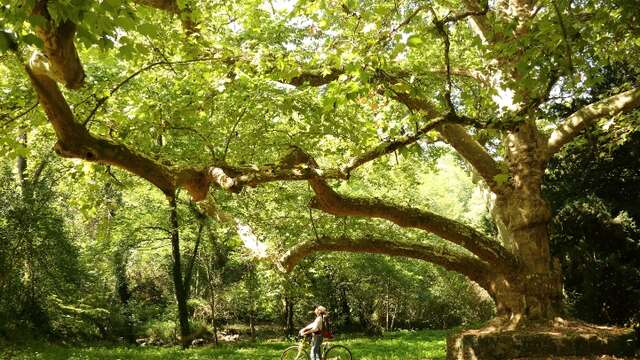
(303, 344)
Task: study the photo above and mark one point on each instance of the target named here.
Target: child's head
(320, 310)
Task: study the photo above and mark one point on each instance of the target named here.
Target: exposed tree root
(516, 338)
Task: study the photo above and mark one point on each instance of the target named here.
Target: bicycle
(328, 351)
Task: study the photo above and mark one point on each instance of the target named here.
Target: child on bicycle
(315, 329)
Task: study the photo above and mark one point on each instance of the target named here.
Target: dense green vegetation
(120, 252)
(193, 171)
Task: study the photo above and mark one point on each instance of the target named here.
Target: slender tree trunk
(196, 286)
(288, 315)
(21, 166)
(393, 316)
(386, 324)
(346, 309)
(180, 290)
(210, 273)
(214, 319)
(251, 286)
(188, 276)
(122, 289)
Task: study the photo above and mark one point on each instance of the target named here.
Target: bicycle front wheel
(294, 353)
(337, 352)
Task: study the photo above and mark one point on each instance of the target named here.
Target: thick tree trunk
(534, 291)
(180, 290)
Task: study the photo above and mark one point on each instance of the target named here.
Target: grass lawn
(414, 345)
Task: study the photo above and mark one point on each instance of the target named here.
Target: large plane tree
(483, 77)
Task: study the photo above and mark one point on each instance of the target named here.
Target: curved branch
(327, 200)
(227, 142)
(474, 153)
(386, 36)
(166, 5)
(23, 113)
(589, 114)
(74, 141)
(315, 78)
(476, 75)
(414, 103)
(567, 42)
(103, 99)
(442, 30)
(298, 165)
(391, 146)
(472, 267)
(61, 61)
(458, 137)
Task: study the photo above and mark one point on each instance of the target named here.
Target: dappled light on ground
(392, 346)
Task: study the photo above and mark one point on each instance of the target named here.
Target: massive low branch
(75, 141)
(474, 268)
(586, 116)
(327, 200)
(62, 62)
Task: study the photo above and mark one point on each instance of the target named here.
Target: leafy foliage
(595, 232)
(38, 259)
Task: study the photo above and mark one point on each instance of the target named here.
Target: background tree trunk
(179, 286)
(120, 260)
(289, 307)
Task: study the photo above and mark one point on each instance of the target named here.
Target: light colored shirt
(316, 325)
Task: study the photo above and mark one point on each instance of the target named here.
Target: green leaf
(37, 20)
(31, 39)
(501, 178)
(414, 41)
(148, 29)
(7, 41)
(114, 3)
(126, 21)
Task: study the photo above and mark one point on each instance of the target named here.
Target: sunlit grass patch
(400, 345)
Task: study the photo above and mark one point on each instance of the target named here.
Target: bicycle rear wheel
(294, 353)
(337, 352)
